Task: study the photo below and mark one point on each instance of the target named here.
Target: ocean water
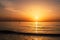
(30, 27)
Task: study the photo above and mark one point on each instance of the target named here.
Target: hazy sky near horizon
(44, 9)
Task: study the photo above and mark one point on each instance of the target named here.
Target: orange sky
(29, 10)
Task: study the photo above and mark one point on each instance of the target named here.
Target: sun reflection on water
(36, 25)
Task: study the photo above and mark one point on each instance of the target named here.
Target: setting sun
(37, 13)
(36, 18)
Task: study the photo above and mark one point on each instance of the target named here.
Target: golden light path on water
(36, 25)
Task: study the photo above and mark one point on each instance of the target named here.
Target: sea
(30, 27)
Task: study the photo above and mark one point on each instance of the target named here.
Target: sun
(36, 18)
(36, 13)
